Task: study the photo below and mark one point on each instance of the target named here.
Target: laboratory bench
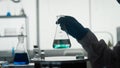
(53, 58)
(61, 62)
(30, 65)
(53, 62)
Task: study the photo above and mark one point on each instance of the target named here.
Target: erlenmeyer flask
(21, 54)
(61, 39)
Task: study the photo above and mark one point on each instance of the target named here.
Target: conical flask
(21, 54)
(61, 39)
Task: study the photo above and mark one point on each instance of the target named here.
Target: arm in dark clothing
(99, 54)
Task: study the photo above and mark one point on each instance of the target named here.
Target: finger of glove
(62, 21)
(73, 22)
(70, 28)
(66, 21)
(70, 25)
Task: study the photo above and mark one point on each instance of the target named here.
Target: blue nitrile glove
(72, 27)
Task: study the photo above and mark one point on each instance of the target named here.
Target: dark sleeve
(98, 53)
(116, 50)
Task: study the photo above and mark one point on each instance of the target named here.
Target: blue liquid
(61, 43)
(8, 14)
(21, 59)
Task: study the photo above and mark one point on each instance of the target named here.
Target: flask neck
(21, 45)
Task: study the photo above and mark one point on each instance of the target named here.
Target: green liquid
(61, 43)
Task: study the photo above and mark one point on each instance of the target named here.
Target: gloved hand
(72, 27)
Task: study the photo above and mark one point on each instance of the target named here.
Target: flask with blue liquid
(21, 55)
(8, 14)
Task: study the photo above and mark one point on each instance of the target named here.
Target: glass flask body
(61, 39)
(21, 55)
